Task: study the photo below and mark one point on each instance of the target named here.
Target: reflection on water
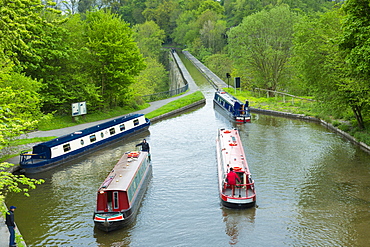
(238, 222)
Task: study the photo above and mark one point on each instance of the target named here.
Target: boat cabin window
(82, 142)
(115, 198)
(102, 134)
(66, 147)
(92, 138)
(136, 122)
(122, 127)
(109, 200)
(112, 131)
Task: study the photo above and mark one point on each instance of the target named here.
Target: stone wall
(176, 78)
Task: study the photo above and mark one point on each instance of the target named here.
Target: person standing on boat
(9, 221)
(231, 179)
(144, 146)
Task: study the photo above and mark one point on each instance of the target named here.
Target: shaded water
(312, 189)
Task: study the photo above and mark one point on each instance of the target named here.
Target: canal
(312, 188)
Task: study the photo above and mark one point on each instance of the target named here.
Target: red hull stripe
(109, 219)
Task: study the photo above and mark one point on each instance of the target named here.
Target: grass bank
(345, 122)
(176, 104)
(59, 122)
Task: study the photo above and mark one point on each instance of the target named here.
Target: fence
(283, 95)
(164, 95)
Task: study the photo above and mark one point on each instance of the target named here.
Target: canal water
(313, 189)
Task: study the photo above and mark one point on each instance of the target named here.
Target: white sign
(79, 109)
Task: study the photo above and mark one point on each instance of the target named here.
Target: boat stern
(109, 221)
(239, 203)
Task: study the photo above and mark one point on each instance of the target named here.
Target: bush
(344, 127)
(362, 137)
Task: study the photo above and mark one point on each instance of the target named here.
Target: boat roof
(88, 131)
(119, 179)
(228, 97)
(232, 149)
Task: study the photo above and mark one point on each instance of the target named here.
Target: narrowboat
(234, 108)
(119, 196)
(231, 158)
(50, 154)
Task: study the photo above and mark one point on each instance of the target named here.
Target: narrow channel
(312, 188)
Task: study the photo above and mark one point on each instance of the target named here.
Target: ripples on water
(312, 190)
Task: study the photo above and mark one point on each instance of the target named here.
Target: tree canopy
(261, 46)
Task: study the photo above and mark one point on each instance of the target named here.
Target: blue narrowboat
(50, 154)
(233, 107)
(119, 197)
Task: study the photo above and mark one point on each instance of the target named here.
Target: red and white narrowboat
(230, 154)
(119, 196)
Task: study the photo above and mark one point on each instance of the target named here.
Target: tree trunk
(357, 111)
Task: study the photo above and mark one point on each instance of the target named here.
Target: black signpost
(228, 77)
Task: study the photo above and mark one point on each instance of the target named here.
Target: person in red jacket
(231, 179)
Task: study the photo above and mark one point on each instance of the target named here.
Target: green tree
(14, 183)
(164, 13)
(19, 103)
(202, 30)
(114, 57)
(220, 64)
(77, 82)
(212, 32)
(153, 79)
(19, 28)
(186, 30)
(236, 10)
(356, 47)
(323, 68)
(132, 11)
(261, 46)
(149, 38)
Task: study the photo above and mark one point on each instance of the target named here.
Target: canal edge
(4, 232)
(180, 110)
(327, 125)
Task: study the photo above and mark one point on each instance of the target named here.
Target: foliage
(316, 57)
(15, 183)
(322, 68)
(164, 13)
(19, 103)
(236, 10)
(202, 29)
(356, 47)
(153, 79)
(114, 58)
(51, 64)
(19, 28)
(132, 11)
(261, 46)
(220, 64)
(149, 38)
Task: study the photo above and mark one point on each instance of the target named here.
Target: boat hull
(237, 203)
(229, 115)
(230, 154)
(129, 215)
(42, 165)
(232, 107)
